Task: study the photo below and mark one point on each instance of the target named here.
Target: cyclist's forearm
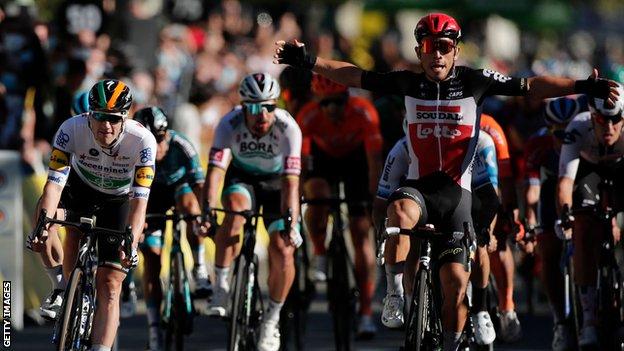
(541, 87)
(342, 72)
(136, 219)
(565, 187)
(195, 206)
(214, 177)
(50, 199)
(508, 194)
(290, 196)
(531, 197)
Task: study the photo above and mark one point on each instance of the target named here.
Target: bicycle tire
(340, 297)
(236, 331)
(575, 319)
(69, 321)
(418, 316)
(174, 334)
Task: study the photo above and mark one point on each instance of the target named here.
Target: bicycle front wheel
(419, 313)
(174, 334)
(69, 321)
(239, 316)
(341, 301)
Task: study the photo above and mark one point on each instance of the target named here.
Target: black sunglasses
(112, 118)
(338, 101)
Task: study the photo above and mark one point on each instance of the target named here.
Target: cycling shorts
(351, 169)
(485, 204)
(111, 211)
(162, 199)
(261, 190)
(445, 204)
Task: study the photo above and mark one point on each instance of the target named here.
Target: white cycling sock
(198, 255)
(588, 303)
(99, 347)
(394, 279)
(273, 311)
(451, 341)
(221, 277)
(56, 277)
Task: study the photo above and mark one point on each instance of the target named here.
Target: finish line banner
(11, 240)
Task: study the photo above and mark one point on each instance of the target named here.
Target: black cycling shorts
(485, 204)
(111, 212)
(351, 169)
(446, 205)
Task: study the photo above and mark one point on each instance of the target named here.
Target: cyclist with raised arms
(342, 142)
(101, 164)
(442, 107)
(257, 154)
(178, 182)
(592, 149)
(542, 162)
(484, 207)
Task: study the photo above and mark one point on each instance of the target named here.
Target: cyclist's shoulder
(134, 129)
(401, 147)
(181, 142)
(285, 122)
(233, 119)
(485, 142)
(308, 112)
(581, 124)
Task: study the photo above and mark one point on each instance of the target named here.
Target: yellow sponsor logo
(59, 160)
(144, 176)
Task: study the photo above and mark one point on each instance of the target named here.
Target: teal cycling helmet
(80, 103)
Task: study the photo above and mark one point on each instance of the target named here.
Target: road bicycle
(179, 308)
(72, 331)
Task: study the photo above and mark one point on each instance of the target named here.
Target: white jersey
(277, 152)
(396, 169)
(125, 168)
(581, 141)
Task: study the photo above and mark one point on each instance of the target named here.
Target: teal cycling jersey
(180, 165)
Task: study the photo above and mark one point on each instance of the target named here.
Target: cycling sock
(394, 279)
(221, 277)
(479, 299)
(128, 279)
(273, 311)
(588, 303)
(99, 347)
(56, 277)
(153, 313)
(451, 340)
(198, 255)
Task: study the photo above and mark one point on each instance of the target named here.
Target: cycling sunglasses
(429, 45)
(604, 120)
(112, 118)
(338, 101)
(255, 108)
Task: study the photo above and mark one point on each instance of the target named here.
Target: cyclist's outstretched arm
(541, 87)
(214, 177)
(49, 199)
(136, 218)
(565, 187)
(290, 196)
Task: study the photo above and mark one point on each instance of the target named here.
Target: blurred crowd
(188, 56)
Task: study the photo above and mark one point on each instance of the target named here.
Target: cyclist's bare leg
(106, 320)
(364, 261)
(454, 281)
(52, 255)
(227, 237)
(549, 250)
(281, 267)
(585, 260)
(151, 283)
(187, 204)
(503, 267)
(316, 215)
(70, 250)
(480, 275)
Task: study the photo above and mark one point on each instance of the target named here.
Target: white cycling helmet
(258, 87)
(597, 105)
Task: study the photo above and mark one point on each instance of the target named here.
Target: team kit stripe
(434, 108)
(111, 103)
(102, 93)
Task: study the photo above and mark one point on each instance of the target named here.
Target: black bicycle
(342, 290)
(179, 308)
(72, 331)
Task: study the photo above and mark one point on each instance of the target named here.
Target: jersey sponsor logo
(59, 160)
(146, 155)
(570, 137)
(424, 131)
(452, 113)
(56, 180)
(388, 168)
(140, 195)
(105, 169)
(144, 176)
(455, 94)
(216, 155)
(497, 76)
(93, 152)
(293, 162)
(252, 145)
(62, 138)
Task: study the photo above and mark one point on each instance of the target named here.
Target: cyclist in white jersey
(485, 198)
(101, 164)
(257, 153)
(593, 148)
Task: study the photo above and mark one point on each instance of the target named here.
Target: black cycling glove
(594, 87)
(296, 56)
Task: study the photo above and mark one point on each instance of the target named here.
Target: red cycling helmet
(324, 86)
(437, 24)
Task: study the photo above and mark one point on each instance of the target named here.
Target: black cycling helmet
(153, 118)
(111, 96)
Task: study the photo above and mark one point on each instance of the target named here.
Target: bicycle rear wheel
(238, 319)
(69, 321)
(419, 314)
(174, 334)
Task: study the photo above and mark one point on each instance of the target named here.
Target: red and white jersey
(443, 117)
